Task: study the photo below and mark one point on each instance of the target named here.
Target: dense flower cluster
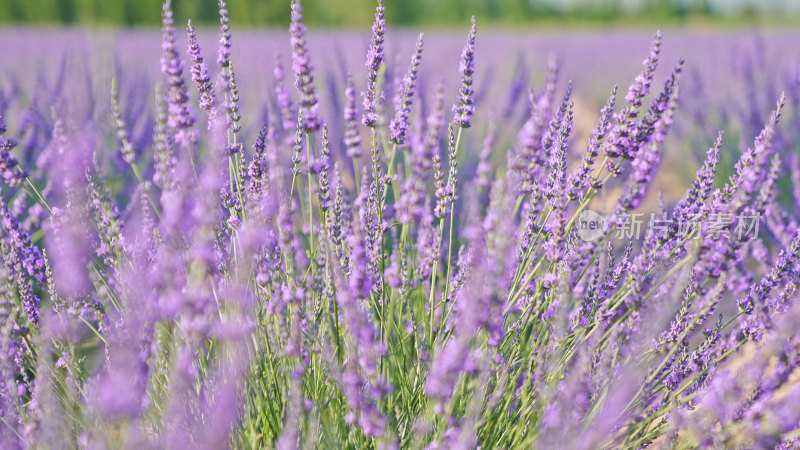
(417, 281)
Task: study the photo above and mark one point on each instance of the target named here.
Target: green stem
(450, 231)
(309, 151)
(432, 298)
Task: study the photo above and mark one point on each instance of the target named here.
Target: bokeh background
(355, 13)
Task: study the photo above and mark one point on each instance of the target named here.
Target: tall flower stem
(33, 192)
(432, 298)
(450, 231)
(309, 153)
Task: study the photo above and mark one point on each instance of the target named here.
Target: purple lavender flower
(9, 167)
(232, 110)
(759, 293)
(126, 150)
(466, 106)
(623, 135)
(227, 80)
(282, 98)
(373, 100)
(579, 179)
(428, 242)
(352, 138)
(164, 174)
(224, 53)
(399, 125)
(749, 168)
(439, 182)
(258, 169)
(556, 182)
(647, 160)
(324, 184)
(301, 63)
(180, 116)
(435, 123)
(478, 310)
(199, 71)
(718, 248)
(22, 260)
(691, 204)
(529, 158)
(484, 165)
(111, 243)
(297, 146)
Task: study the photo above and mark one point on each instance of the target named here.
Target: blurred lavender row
(732, 76)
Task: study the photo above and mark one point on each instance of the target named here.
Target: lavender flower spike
(119, 124)
(282, 99)
(622, 137)
(646, 162)
(224, 52)
(180, 116)
(691, 203)
(352, 140)
(324, 185)
(22, 260)
(466, 107)
(399, 125)
(759, 293)
(9, 166)
(580, 178)
(199, 71)
(301, 63)
(375, 59)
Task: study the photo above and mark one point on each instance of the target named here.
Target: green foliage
(358, 13)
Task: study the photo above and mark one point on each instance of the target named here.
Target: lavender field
(471, 238)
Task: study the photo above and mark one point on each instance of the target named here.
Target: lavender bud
(301, 63)
(375, 59)
(466, 107)
(399, 125)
